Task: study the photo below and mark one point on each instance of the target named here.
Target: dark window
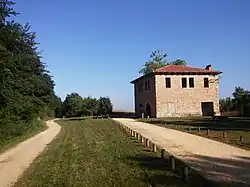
(168, 82)
(191, 82)
(206, 83)
(184, 82)
(140, 105)
(139, 88)
(148, 84)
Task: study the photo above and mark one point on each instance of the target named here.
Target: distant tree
(157, 60)
(178, 62)
(73, 105)
(90, 106)
(241, 99)
(105, 106)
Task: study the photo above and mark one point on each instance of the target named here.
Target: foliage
(157, 60)
(26, 88)
(76, 106)
(240, 102)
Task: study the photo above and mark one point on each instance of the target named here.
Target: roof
(179, 70)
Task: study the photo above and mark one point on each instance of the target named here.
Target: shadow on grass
(154, 163)
(170, 178)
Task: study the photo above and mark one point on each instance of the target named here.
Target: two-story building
(176, 90)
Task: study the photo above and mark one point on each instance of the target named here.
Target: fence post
(207, 131)
(154, 148)
(142, 139)
(199, 129)
(172, 161)
(185, 174)
(241, 138)
(224, 135)
(162, 153)
(147, 143)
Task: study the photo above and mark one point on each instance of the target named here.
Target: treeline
(26, 87)
(238, 104)
(76, 106)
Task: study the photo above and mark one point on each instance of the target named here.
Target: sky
(96, 47)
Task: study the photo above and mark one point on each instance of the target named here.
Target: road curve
(214, 160)
(14, 161)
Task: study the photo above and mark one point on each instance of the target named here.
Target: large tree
(158, 59)
(26, 87)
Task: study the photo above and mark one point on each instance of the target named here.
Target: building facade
(177, 91)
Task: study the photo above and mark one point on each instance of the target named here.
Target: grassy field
(96, 153)
(228, 131)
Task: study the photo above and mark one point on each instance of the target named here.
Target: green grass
(12, 140)
(233, 128)
(95, 153)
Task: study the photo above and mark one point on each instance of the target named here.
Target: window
(139, 88)
(140, 105)
(184, 82)
(148, 84)
(168, 82)
(206, 83)
(191, 82)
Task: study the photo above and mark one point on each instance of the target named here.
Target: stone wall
(178, 101)
(141, 98)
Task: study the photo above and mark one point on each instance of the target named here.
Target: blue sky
(95, 48)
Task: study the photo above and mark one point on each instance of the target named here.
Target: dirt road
(14, 161)
(214, 160)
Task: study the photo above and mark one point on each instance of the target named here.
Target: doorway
(207, 108)
(148, 110)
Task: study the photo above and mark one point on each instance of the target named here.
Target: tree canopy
(76, 106)
(239, 102)
(26, 87)
(158, 59)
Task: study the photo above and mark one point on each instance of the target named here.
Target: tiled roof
(180, 69)
(183, 69)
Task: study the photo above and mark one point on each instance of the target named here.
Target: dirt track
(14, 161)
(214, 160)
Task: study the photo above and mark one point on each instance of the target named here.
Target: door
(207, 108)
(148, 110)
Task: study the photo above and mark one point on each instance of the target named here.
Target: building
(176, 91)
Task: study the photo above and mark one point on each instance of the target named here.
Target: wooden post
(241, 138)
(154, 148)
(224, 135)
(138, 136)
(185, 174)
(207, 131)
(199, 129)
(172, 161)
(189, 129)
(142, 139)
(147, 143)
(162, 153)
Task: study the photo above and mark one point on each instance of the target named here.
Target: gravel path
(14, 161)
(214, 160)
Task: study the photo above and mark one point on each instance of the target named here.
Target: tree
(157, 60)
(26, 87)
(105, 106)
(73, 105)
(178, 62)
(241, 99)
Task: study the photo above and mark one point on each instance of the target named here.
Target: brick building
(176, 90)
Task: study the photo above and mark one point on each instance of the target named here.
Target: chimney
(209, 67)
